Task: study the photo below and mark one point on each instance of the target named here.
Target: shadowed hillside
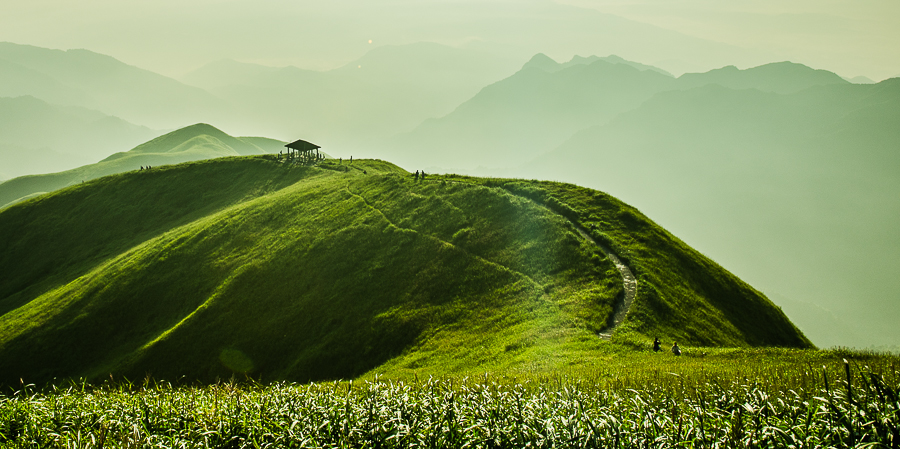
(251, 265)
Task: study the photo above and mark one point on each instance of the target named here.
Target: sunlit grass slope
(192, 143)
(248, 265)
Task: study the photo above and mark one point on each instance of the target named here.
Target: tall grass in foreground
(858, 409)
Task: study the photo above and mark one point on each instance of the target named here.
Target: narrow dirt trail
(623, 303)
(629, 282)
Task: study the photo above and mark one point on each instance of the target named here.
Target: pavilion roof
(302, 145)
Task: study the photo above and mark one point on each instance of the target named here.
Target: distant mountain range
(37, 137)
(389, 90)
(192, 143)
(95, 81)
(528, 113)
(545, 103)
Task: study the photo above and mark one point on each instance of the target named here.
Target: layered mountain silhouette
(779, 77)
(95, 81)
(530, 112)
(389, 90)
(545, 103)
(37, 137)
(250, 265)
(192, 143)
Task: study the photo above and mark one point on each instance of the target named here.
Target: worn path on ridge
(629, 283)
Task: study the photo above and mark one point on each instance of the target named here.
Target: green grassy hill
(191, 143)
(249, 265)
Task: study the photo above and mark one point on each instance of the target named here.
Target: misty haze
(314, 191)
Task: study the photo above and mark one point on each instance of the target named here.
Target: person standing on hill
(416, 176)
(675, 349)
(656, 345)
(423, 175)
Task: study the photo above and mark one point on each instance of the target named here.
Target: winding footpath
(623, 302)
(629, 282)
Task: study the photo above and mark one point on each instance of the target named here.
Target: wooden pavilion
(304, 151)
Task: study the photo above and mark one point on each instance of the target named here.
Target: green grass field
(635, 399)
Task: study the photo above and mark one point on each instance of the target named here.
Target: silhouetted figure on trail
(656, 345)
(340, 160)
(423, 175)
(675, 349)
(142, 167)
(417, 175)
(365, 172)
(351, 158)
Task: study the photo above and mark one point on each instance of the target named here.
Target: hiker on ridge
(675, 349)
(656, 345)
(417, 175)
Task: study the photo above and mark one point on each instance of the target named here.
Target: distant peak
(541, 61)
(175, 138)
(199, 128)
(860, 80)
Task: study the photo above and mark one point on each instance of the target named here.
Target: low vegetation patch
(780, 399)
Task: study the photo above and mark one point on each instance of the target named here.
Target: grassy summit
(249, 265)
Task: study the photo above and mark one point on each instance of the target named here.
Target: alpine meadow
(442, 224)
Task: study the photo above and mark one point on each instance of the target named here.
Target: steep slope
(191, 143)
(37, 137)
(91, 80)
(798, 193)
(248, 265)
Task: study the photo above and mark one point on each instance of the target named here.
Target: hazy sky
(858, 37)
